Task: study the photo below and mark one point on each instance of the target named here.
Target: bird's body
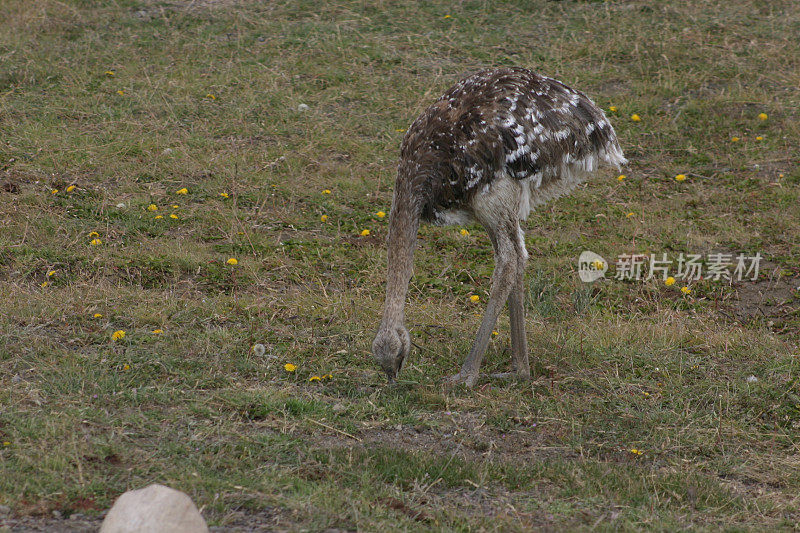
(493, 147)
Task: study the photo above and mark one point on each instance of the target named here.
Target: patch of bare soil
(774, 301)
(494, 502)
(268, 519)
(462, 435)
(235, 522)
(75, 524)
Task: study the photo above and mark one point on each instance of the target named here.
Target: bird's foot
(467, 379)
(514, 374)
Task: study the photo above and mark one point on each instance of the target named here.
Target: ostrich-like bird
(497, 144)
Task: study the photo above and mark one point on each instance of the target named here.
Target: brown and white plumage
(493, 147)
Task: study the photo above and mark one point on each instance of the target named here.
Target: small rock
(57, 514)
(167, 151)
(751, 379)
(339, 408)
(121, 205)
(399, 427)
(154, 509)
(303, 107)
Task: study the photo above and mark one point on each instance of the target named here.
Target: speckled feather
(503, 122)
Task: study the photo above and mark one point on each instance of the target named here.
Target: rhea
(496, 145)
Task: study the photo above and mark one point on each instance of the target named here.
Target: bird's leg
(516, 311)
(520, 366)
(503, 280)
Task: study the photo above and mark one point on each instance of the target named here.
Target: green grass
(617, 365)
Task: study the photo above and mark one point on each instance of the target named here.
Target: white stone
(302, 107)
(121, 205)
(154, 509)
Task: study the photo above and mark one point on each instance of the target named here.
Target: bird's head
(390, 348)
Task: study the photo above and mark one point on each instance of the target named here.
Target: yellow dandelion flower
(126, 367)
(680, 177)
(54, 191)
(474, 298)
(45, 283)
(621, 177)
(630, 214)
(364, 233)
(762, 116)
(780, 175)
(211, 96)
(400, 130)
(327, 376)
(686, 290)
(380, 214)
(159, 216)
(152, 207)
(173, 215)
(326, 191)
(232, 261)
(315, 378)
(612, 108)
(158, 331)
(669, 282)
(51, 273)
(97, 315)
(182, 191)
(447, 16)
(6, 443)
(118, 335)
(734, 139)
(464, 232)
(289, 367)
(759, 138)
(175, 206)
(324, 218)
(96, 242)
(634, 451)
(495, 332)
(121, 92)
(646, 394)
(94, 234)
(71, 188)
(109, 73)
(224, 195)
(636, 118)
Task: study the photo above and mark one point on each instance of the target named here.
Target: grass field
(649, 408)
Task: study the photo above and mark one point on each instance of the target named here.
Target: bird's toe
(461, 378)
(515, 374)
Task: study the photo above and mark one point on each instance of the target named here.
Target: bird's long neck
(401, 242)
